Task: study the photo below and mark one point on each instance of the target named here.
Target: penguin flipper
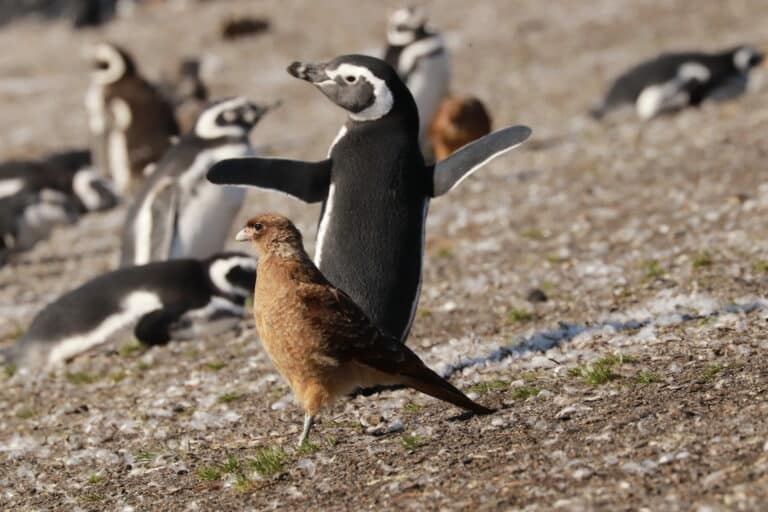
(156, 327)
(308, 181)
(164, 212)
(448, 173)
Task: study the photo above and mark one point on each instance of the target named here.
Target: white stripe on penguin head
(382, 96)
(220, 268)
(206, 126)
(115, 65)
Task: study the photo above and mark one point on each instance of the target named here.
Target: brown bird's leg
(309, 420)
(314, 397)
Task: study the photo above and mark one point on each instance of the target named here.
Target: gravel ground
(640, 383)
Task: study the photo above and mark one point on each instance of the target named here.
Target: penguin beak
(244, 235)
(312, 73)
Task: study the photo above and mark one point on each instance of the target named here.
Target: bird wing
(352, 337)
(448, 173)
(156, 221)
(308, 181)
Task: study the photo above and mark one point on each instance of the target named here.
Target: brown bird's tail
(421, 378)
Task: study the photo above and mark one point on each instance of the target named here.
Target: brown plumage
(317, 337)
(458, 121)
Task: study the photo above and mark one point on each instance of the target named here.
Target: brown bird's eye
(350, 79)
(258, 227)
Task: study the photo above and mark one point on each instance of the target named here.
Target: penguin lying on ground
(421, 60)
(37, 195)
(374, 186)
(131, 122)
(159, 302)
(459, 120)
(178, 213)
(673, 81)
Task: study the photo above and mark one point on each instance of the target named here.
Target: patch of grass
(598, 375)
(92, 498)
(209, 473)
(423, 312)
(242, 484)
(231, 465)
(95, 478)
(524, 392)
(331, 441)
(129, 349)
(711, 370)
(614, 359)
(144, 457)
(215, 365)
(555, 259)
(229, 397)
(760, 266)
(191, 353)
(268, 461)
(24, 413)
(528, 376)
(412, 441)
(487, 386)
(652, 269)
(143, 366)
(412, 407)
(248, 303)
(307, 448)
(533, 234)
(601, 371)
(118, 376)
(80, 378)
(444, 253)
(519, 316)
(10, 370)
(646, 378)
(702, 259)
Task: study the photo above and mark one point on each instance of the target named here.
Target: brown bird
(458, 121)
(317, 337)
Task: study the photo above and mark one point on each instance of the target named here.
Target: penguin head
(232, 273)
(364, 86)
(93, 191)
(746, 58)
(407, 25)
(231, 117)
(271, 233)
(110, 63)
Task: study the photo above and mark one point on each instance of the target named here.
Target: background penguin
(458, 121)
(36, 196)
(159, 302)
(187, 92)
(130, 121)
(673, 81)
(421, 59)
(178, 213)
(374, 186)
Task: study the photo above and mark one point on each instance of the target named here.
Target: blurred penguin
(131, 123)
(421, 60)
(187, 92)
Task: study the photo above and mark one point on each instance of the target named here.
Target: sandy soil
(641, 383)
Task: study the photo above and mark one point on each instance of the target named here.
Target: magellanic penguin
(159, 302)
(131, 122)
(458, 121)
(178, 213)
(673, 81)
(420, 58)
(374, 186)
(38, 195)
(187, 92)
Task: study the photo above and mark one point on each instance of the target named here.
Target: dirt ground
(640, 384)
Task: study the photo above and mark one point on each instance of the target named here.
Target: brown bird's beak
(244, 235)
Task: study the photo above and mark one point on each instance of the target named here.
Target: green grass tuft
(525, 392)
(702, 259)
(268, 461)
(533, 234)
(231, 465)
(229, 397)
(118, 376)
(130, 349)
(412, 407)
(242, 484)
(95, 478)
(444, 253)
(652, 269)
(412, 441)
(646, 378)
(331, 441)
(209, 473)
(144, 457)
(519, 316)
(215, 365)
(10, 370)
(710, 371)
(307, 448)
(24, 413)
(601, 371)
(487, 386)
(80, 378)
(760, 266)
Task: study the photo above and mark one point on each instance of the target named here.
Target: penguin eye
(350, 79)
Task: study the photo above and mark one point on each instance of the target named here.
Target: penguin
(673, 81)
(37, 195)
(374, 186)
(131, 122)
(187, 93)
(158, 302)
(458, 121)
(420, 58)
(178, 213)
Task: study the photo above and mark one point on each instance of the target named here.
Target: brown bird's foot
(309, 420)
